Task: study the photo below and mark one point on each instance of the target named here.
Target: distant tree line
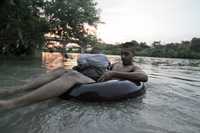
(185, 49)
(23, 23)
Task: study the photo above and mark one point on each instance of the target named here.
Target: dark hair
(128, 46)
(128, 49)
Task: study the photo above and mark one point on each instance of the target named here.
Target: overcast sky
(149, 20)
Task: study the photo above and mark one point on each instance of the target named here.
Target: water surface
(171, 103)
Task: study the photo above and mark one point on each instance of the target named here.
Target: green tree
(71, 16)
(24, 22)
(156, 44)
(195, 44)
(143, 45)
(21, 27)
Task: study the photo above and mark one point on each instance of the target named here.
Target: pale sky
(149, 20)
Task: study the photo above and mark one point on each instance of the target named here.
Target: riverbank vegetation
(185, 49)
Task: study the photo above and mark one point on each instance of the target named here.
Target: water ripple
(171, 103)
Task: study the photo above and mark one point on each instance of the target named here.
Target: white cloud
(148, 20)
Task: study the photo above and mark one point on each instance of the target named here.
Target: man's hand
(106, 76)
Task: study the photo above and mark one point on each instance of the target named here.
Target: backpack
(92, 65)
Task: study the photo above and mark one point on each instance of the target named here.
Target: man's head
(127, 56)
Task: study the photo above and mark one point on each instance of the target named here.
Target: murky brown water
(171, 102)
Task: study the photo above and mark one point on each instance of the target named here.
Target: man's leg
(47, 91)
(36, 83)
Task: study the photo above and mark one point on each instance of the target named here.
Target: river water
(171, 103)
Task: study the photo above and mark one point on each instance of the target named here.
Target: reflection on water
(171, 103)
(55, 60)
(52, 60)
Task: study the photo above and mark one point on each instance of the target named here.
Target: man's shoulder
(117, 63)
(121, 64)
(136, 68)
(118, 66)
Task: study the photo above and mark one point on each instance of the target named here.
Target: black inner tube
(112, 90)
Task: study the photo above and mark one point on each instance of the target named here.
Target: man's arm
(137, 76)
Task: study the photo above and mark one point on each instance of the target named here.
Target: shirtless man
(125, 69)
(57, 82)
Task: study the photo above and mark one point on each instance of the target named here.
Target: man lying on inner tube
(59, 81)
